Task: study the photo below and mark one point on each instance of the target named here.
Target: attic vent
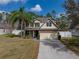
(49, 24)
(48, 19)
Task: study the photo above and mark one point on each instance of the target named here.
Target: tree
(23, 17)
(0, 17)
(72, 9)
(64, 22)
(53, 13)
(48, 15)
(33, 14)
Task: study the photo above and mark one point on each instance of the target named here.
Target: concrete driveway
(54, 49)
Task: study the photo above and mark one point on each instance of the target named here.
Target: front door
(36, 34)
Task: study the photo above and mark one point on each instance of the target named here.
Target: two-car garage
(46, 34)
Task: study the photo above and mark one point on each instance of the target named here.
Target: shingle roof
(43, 19)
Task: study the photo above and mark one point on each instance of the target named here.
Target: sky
(40, 7)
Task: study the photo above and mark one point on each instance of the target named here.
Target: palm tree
(23, 17)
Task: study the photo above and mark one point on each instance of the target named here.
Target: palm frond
(13, 16)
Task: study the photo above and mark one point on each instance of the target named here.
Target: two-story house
(42, 28)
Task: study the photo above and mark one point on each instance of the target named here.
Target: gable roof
(45, 19)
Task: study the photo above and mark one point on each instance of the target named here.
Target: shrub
(74, 41)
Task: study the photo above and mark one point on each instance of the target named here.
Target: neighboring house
(42, 28)
(4, 26)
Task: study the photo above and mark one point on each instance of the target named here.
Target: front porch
(33, 34)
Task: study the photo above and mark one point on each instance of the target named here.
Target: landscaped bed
(72, 43)
(17, 48)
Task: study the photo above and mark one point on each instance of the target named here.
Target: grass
(72, 43)
(17, 48)
(8, 36)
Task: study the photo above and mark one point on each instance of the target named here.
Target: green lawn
(17, 48)
(72, 43)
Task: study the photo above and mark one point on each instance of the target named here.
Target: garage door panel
(45, 35)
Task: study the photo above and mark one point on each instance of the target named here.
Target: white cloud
(7, 1)
(37, 8)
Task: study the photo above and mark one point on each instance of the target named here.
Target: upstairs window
(37, 25)
(49, 24)
(31, 24)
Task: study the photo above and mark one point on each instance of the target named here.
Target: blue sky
(41, 7)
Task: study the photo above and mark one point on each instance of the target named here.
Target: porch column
(29, 25)
(33, 34)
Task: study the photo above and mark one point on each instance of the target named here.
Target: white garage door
(46, 35)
